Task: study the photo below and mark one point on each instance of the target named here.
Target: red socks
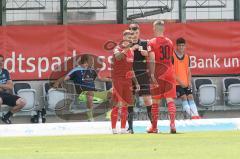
(172, 113)
(124, 115)
(114, 117)
(154, 116)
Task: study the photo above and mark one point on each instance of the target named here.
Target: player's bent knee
(169, 100)
(147, 100)
(183, 97)
(89, 97)
(117, 104)
(155, 101)
(190, 97)
(21, 102)
(148, 103)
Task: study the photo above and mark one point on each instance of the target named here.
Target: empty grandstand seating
(206, 92)
(231, 90)
(52, 96)
(25, 91)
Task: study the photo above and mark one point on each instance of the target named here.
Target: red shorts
(122, 91)
(166, 85)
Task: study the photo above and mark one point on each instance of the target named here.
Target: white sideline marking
(80, 128)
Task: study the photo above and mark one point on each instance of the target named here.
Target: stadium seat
(25, 91)
(52, 96)
(72, 90)
(76, 93)
(108, 85)
(78, 97)
(231, 90)
(206, 91)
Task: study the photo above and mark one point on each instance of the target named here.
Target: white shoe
(91, 120)
(124, 131)
(114, 131)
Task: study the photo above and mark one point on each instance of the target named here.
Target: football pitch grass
(194, 145)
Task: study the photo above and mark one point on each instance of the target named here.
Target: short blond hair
(158, 25)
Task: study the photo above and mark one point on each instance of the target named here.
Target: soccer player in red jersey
(122, 75)
(162, 74)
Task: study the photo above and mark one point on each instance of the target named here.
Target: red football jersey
(164, 72)
(163, 50)
(121, 68)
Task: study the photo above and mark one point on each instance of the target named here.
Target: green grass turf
(199, 145)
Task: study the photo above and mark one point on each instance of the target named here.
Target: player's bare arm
(104, 79)
(143, 52)
(7, 86)
(136, 82)
(58, 82)
(66, 78)
(119, 55)
(152, 67)
(189, 78)
(135, 47)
